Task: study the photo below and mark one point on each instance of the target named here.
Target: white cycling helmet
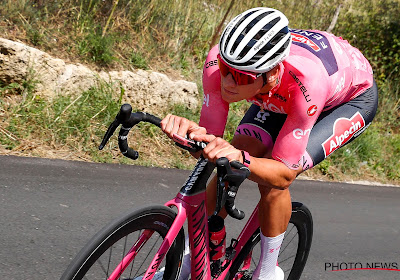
(256, 40)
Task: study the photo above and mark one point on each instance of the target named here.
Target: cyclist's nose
(228, 81)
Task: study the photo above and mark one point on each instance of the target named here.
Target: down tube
(198, 237)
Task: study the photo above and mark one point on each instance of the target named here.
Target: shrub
(374, 27)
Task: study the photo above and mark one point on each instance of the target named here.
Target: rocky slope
(19, 62)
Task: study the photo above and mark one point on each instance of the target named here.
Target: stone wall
(143, 89)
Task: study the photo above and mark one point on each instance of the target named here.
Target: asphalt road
(50, 208)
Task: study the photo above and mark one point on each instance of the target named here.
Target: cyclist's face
(232, 92)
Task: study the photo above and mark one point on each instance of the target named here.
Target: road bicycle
(141, 243)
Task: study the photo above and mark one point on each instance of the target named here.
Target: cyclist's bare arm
(218, 147)
(264, 171)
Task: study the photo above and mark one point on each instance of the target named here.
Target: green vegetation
(77, 123)
(175, 36)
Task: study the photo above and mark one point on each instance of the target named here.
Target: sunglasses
(240, 77)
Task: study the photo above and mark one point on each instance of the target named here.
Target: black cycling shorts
(324, 138)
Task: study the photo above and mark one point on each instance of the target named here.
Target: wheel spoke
(147, 257)
(288, 258)
(286, 235)
(105, 272)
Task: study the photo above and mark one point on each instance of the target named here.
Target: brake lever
(122, 116)
(221, 195)
(110, 131)
(222, 171)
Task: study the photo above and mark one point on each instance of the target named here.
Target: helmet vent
(279, 36)
(246, 30)
(275, 40)
(258, 36)
(276, 54)
(235, 27)
(255, 21)
(266, 28)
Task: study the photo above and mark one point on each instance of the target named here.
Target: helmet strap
(265, 79)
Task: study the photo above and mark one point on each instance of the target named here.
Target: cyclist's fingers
(171, 126)
(231, 154)
(179, 126)
(217, 153)
(165, 123)
(174, 124)
(218, 148)
(200, 135)
(196, 130)
(225, 149)
(183, 126)
(211, 145)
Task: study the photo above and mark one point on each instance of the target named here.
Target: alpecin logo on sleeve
(343, 130)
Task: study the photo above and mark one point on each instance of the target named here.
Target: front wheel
(293, 253)
(137, 233)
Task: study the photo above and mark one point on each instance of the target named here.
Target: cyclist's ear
(273, 74)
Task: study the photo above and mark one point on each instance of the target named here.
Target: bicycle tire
(300, 221)
(117, 235)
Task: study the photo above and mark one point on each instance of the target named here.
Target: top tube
(197, 181)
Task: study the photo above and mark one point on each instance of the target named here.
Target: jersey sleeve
(307, 102)
(214, 112)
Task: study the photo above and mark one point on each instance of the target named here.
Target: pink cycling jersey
(321, 72)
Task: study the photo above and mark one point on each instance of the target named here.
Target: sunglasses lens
(243, 79)
(240, 78)
(223, 68)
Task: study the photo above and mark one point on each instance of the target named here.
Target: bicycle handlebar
(234, 178)
(127, 119)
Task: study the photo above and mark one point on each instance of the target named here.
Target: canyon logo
(343, 130)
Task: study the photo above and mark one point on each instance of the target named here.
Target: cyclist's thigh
(258, 131)
(339, 126)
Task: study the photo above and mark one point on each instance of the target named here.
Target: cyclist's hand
(172, 124)
(218, 148)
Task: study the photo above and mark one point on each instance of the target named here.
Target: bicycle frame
(190, 203)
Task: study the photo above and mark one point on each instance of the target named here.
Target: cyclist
(312, 93)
